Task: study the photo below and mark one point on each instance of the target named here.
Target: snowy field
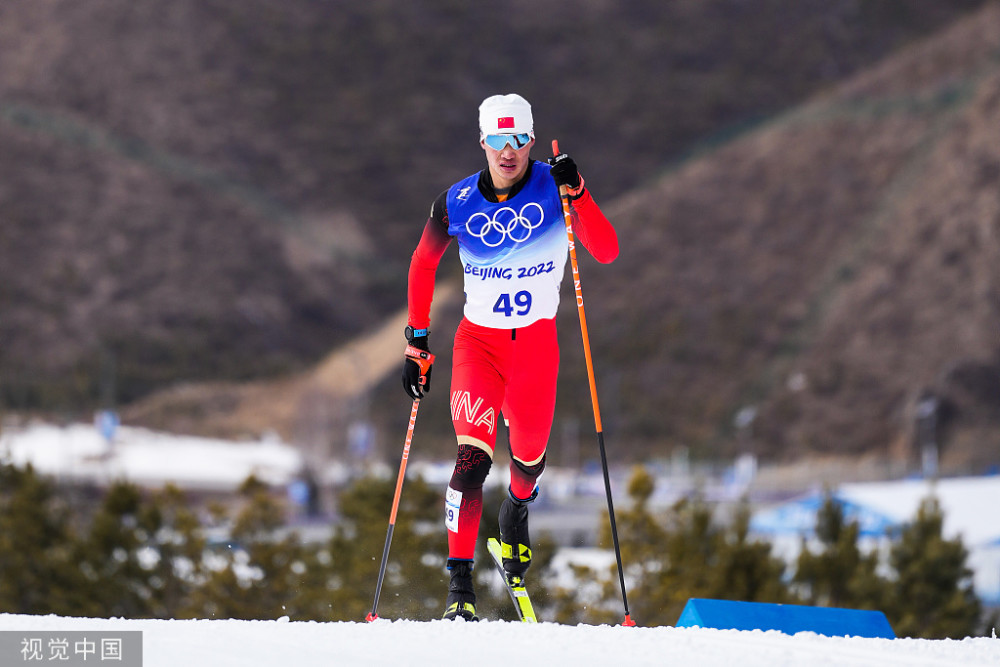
(225, 643)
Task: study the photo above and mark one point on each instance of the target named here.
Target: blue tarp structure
(787, 618)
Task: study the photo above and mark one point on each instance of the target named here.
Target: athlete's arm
(423, 265)
(589, 224)
(593, 229)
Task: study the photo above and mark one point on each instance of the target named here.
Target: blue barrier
(787, 618)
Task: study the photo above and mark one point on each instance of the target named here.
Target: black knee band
(471, 468)
(531, 471)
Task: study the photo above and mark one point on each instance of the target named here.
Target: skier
(513, 246)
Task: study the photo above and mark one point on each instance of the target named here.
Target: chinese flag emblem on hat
(505, 123)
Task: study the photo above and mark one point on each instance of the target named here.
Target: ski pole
(372, 615)
(564, 196)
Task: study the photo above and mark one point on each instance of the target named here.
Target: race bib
(452, 505)
(513, 253)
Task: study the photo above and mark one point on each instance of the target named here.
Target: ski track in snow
(224, 643)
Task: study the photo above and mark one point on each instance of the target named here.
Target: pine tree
(706, 560)
(686, 554)
(932, 595)
(340, 577)
(746, 569)
(110, 556)
(175, 534)
(678, 565)
(38, 573)
(839, 575)
(257, 575)
(597, 599)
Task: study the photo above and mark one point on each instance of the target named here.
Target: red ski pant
(494, 371)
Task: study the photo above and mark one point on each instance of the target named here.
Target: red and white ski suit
(506, 353)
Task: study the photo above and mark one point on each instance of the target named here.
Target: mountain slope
(221, 190)
(828, 270)
(218, 191)
(819, 277)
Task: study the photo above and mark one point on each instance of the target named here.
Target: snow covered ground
(221, 643)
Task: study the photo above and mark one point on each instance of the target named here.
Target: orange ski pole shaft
(372, 615)
(568, 216)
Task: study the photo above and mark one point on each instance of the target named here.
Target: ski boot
(461, 601)
(515, 544)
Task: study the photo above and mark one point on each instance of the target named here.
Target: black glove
(564, 171)
(417, 368)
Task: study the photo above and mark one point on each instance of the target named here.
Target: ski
(514, 584)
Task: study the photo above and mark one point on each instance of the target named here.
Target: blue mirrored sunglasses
(498, 141)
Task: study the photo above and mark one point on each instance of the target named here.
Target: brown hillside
(828, 270)
(219, 190)
(305, 408)
(210, 190)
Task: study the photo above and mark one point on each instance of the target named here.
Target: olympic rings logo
(505, 223)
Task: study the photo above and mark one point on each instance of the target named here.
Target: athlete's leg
(477, 390)
(530, 403)
(529, 407)
(464, 500)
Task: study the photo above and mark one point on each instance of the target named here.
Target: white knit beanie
(505, 114)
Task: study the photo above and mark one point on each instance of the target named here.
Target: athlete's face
(508, 165)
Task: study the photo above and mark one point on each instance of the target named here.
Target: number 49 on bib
(521, 304)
